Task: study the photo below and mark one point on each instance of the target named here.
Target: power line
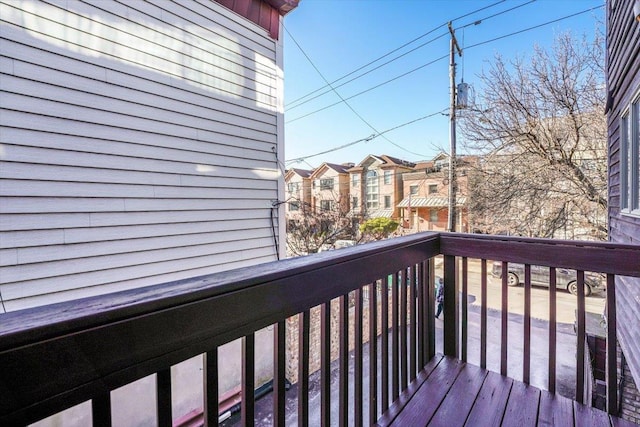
(395, 50)
(371, 88)
(369, 71)
(535, 26)
(441, 58)
(340, 96)
(368, 138)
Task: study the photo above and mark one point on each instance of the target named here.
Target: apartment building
(376, 186)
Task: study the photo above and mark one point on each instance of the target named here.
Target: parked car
(565, 279)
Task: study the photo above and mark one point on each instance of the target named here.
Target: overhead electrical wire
(369, 71)
(369, 89)
(446, 33)
(368, 138)
(393, 51)
(441, 58)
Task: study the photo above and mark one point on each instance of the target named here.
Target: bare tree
(541, 130)
(313, 228)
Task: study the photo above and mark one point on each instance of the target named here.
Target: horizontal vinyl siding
(623, 79)
(138, 145)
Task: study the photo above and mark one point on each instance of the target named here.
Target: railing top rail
(65, 316)
(602, 257)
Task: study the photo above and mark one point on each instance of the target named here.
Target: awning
(381, 213)
(429, 202)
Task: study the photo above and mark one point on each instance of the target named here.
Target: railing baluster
(163, 398)
(211, 388)
(303, 368)
(404, 366)
(384, 344)
(325, 364)
(504, 317)
(451, 317)
(395, 383)
(421, 317)
(581, 339)
(343, 405)
(483, 314)
(526, 347)
(279, 355)
(552, 329)
(357, 355)
(430, 321)
(247, 410)
(464, 314)
(101, 410)
(612, 374)
(412, 324)
(373, 352)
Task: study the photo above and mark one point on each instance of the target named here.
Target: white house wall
(138, 145)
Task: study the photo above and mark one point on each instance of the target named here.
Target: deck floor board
(449, 392)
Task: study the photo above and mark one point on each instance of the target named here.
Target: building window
(433, 215)
(354, 203)
(387, 177)
(433, 188)
(387, 202)
(371, 190)
(355, 180)
(294, 206)
(293, 187)
(326, 184)
(413, 190)
(325, 205)
(630, 159)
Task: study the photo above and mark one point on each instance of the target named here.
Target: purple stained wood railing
(105, 342)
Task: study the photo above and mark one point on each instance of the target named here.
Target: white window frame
(326, 184)
(413, 189)
(387, 202)
(387, 177)
(372, 190)
(630, 158)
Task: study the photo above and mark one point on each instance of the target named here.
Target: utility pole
(453, 185)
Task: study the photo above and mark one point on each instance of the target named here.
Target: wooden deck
(449, 392)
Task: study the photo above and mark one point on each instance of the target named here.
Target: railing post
(504, 317)
(612, 374)
(552, 329)
(163, 398)
(451, 316)
(430, 312)
(211, 388)
(325, 363)
(304, 326)
(101, 410)
(279, 350)
(581, 337)
(483, 314)
(464, 314)
(247, 410)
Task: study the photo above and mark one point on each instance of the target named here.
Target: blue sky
(340, 36)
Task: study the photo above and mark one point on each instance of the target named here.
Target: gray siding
(623, 79)
(139, 144)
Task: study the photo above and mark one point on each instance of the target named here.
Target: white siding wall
(138, 145)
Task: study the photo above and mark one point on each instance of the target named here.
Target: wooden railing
(57, 356)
